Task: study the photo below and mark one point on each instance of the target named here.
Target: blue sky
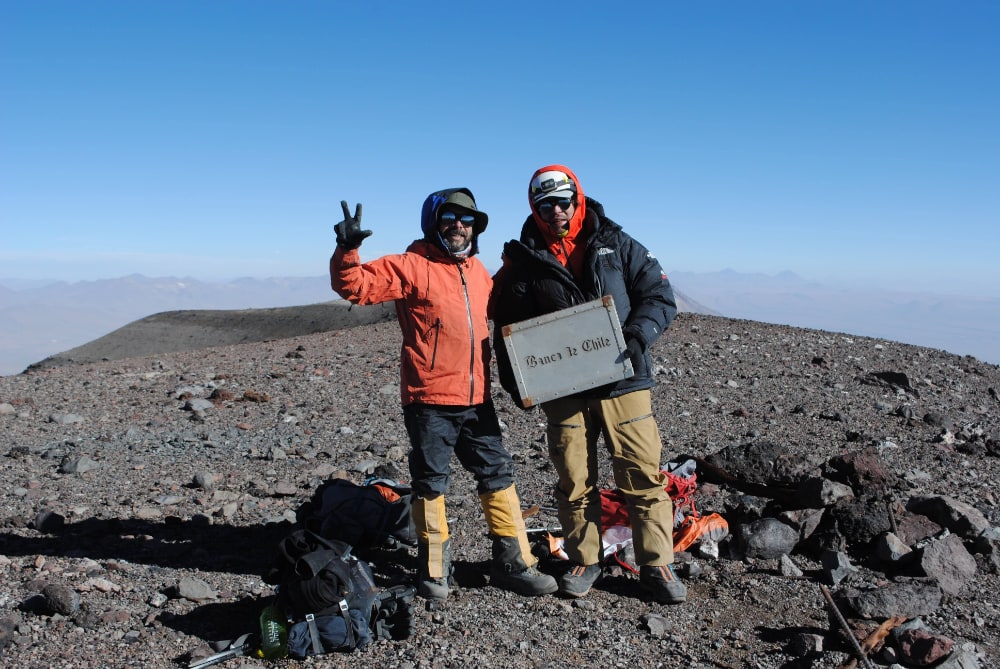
(851, 142)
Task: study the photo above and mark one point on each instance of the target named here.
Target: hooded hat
(460, 199)
(556, 181)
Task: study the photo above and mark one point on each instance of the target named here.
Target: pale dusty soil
(290, 412)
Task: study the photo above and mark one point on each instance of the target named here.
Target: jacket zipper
(574, 294)
(562, 247)
(472, 338)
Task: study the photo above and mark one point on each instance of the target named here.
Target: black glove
(636, 352)
(349, 232)
(393, 619)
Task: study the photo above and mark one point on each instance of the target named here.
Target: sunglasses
(547, 206)
(449, 218)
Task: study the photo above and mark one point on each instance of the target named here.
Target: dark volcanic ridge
(193, 329)
(190, 330)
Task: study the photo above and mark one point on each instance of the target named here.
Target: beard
(457, 245)
(457, 248)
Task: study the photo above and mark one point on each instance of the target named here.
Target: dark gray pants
(471, 433)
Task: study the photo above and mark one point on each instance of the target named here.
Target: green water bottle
(273, 633)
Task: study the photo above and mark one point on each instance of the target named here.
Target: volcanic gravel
(143, 499)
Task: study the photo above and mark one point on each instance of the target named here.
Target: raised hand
(349, 232)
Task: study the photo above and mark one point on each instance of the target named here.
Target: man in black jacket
(569, 253)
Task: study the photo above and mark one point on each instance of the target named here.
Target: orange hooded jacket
(441, 308)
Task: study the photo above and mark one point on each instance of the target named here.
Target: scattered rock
(949, 563)
(905, 597)
(48, 521)
(818, 492)
(205, 480)
(805, 644)
(767, 538)
(195, 590)
(659, 626)
(61, 599)
(963, 519)
(890, 548)
(65, 418)
(921, 648)
(787, 568)
(80, 465)
(837, 566)
(198, 405)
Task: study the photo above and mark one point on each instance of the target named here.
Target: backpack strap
(345, 612)
(314, 634)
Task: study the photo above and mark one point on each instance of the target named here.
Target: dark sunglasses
(547, 206)
(450, 218)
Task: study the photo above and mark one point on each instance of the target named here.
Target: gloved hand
(349, 232)
(636, 352)
(393, 618)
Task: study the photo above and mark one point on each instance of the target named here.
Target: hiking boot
(662, 584)
(430, 587)
(579, 579)
(528, 582)
(509, 571)
(433, 588)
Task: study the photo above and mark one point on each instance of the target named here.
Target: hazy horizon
(38, 319)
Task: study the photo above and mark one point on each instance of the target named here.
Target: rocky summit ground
(143, 498)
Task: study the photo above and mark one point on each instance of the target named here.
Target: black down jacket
(532, 283)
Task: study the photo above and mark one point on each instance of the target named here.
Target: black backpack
(329, 594)
(331, 598)
(374, 515)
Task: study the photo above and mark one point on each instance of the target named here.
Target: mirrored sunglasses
(548, 205)
(450, 218)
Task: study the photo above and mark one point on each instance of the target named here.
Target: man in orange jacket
(441, 292)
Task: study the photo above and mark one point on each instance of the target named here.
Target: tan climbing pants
(633, 441)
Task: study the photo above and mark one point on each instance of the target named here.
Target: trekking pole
(862, 656)
(552, 529)
(241, 646)
(889, 503)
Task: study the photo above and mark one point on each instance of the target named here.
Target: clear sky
(842, 140)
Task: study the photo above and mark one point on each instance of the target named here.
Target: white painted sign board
(567, 351)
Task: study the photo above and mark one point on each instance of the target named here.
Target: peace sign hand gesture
(349, 232)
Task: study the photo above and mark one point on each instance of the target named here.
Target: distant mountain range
(40, 319)
(957, 324)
